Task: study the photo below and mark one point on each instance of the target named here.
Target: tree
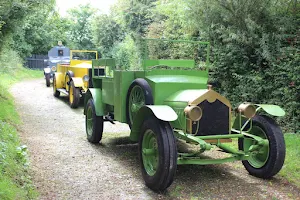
(79, 32)
(106, 34)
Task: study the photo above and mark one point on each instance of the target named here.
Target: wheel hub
(150, 154)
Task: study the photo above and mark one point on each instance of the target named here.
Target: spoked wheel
(47, 77)
(56, 93)
(74, 95)
(158, 154)
(93, 123)
(269, 160)
(139, 94)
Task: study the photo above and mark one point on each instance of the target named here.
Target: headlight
(86, 78)
(193, 112)
(247, 109)
(53, 68)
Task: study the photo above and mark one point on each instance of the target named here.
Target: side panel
(108, 91)
(96, 94)
(122, 81)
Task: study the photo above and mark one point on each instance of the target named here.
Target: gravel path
(65, 166)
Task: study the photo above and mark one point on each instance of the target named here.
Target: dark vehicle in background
(57, 55)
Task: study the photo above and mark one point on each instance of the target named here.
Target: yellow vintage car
(73, 79)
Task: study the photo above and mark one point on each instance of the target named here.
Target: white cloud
(102, 5)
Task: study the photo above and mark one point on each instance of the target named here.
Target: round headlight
(53, 68)
(86, 78)
(193, 112)
(247, 109)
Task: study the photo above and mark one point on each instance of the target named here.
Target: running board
(63, 91)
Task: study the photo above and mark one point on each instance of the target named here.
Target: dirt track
(65, 166)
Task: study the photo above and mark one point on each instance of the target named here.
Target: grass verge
(15, 181)
(291, 168)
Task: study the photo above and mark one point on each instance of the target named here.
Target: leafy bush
(126, 54)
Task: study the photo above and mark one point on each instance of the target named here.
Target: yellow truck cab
(74, 79)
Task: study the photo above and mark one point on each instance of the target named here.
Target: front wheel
(74, 95)
(268, 160)
(158, 154)
(93, 123)
(47, 77)
(56, 93)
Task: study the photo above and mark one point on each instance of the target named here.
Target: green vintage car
(169, 100)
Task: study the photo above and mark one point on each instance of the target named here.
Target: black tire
(277, 149)
(47, 77)
(147, 95)
(94, 135)
(167, 154)
(74, 102)
(56, 93)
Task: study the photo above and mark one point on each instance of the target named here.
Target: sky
(102, 5)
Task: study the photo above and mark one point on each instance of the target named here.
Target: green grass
(15, 181)
(8, 112)
(291, 168)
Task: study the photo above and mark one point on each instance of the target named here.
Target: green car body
(170, 100)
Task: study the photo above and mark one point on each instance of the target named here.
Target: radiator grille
(214, 121)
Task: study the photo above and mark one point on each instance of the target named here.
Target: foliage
(134, 15)
(126, 54)
(20, 28)
(43, 34)
(106, 33)
(79, 31)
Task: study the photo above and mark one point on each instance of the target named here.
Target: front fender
(96, 95)
(271, 109)
(161, 112)
(78, 82)
(59, 80)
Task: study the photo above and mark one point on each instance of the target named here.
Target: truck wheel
(68, 79)
(93, 123)
(74, 95)
(55, 92)
(268, 161)
(47, 77)
(139, 94)
(157, 154)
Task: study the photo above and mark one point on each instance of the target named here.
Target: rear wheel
(138, 95)
(74, 95)
(56, 93)
(269, 160)
(158, 154)
(47, 77)
(93, 123)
